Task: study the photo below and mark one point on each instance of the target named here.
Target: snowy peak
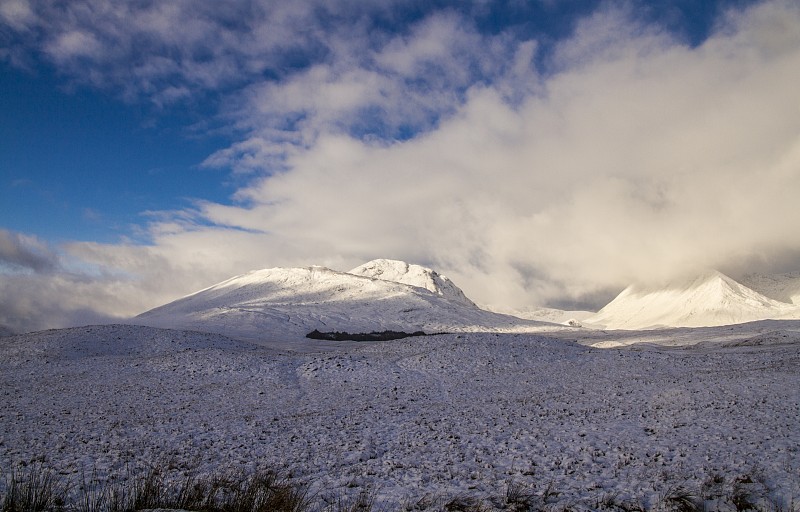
(708, 300)
(288, 303)
(412, 275)
(276, 286)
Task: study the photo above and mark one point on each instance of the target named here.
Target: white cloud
(154, 49)
(72, 45)
(16, 13)
(642, 158)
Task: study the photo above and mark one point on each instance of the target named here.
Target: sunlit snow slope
(283, 303)
(413, 275)
(710, 300)
(782, 287)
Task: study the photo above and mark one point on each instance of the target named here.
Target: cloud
(170, 51)
(38, 289)
(396, 88)
(16, 13)
(20, 252)
(640, 159)
(633, 157)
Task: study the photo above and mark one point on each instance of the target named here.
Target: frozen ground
(449, 415)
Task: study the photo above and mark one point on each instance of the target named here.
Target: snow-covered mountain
(709, 300)
(552, 315)
(288, 303)
(413, 275)
(781, 287)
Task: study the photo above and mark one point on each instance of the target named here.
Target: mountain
(5, 331)
(288, 303)
(781, 287)
(542, 314)
(412, 275)
(709, 300)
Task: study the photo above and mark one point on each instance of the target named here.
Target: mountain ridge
(414, 275)
(291, 302)
(711, 299)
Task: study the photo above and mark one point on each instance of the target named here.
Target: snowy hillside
(781, 287)
(413, 275)
(413, 421)
(556, 316)
(288, 303)
(709, 300)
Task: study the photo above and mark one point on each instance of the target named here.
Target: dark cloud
(21, 252)
(24, 307)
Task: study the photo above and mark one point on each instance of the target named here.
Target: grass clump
(35, 488)
(38, 490)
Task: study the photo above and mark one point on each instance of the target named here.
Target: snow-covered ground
(448, 415)
(499, 401)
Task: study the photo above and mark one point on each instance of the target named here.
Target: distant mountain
(412, 275)
(709, 300)
(5, 331)
(552, 315)
(781, 287)
(283, 303)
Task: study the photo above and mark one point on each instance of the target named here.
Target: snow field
(461, 414)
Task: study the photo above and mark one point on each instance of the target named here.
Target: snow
(287, 303)
(448, 415)
(709, 300)
(233, 385)
(764, 332)
(413, 275)
(782, 287)
(552, 315)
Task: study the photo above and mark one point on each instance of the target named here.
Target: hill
(709, 300)
(288, 303)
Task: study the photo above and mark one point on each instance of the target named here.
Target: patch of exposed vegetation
(36, 488)
(363, 336)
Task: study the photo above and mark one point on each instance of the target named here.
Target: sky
(538, 153)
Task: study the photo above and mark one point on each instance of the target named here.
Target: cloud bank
(622, 155)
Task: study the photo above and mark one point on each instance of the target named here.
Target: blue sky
(81, 163)
(149, 149)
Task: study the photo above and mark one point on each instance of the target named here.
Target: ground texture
(411, 420)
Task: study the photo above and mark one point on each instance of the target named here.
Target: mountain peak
(284, 304)
(412, 275)
(709, 299)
